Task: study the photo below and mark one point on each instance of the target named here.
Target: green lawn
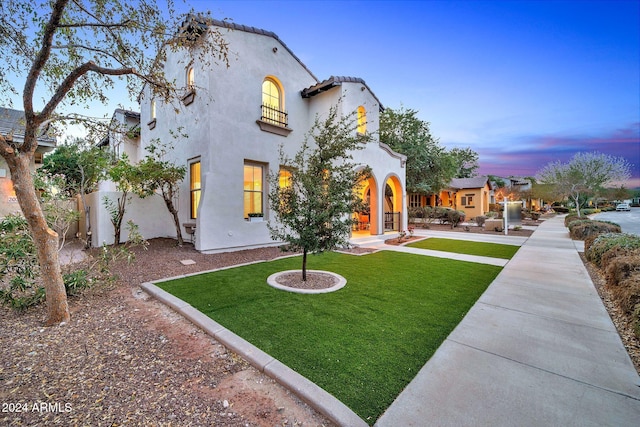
(493, 250)
(363, 343)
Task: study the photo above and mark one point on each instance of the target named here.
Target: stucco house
(12, 125)
(232, 122)
(470, 195)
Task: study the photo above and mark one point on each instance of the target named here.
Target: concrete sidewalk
(538, 348)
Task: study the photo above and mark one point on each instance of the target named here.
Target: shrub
(569, 218)
(589, 211)
(580, 230)
(415, 212)
(560, 209)
(455, 217)
(603, 243)
(480, 219)
(491, 214)
(623, 279)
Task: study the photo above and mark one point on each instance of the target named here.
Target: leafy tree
(429, 167)
(584, 174)
(83, 166)
(158, 174)
(70, 53)
(127, 178)
(313, 208)
(466, 162)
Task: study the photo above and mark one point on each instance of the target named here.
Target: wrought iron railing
(274, 116)
(392, 221)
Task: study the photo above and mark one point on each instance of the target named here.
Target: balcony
(274, 121)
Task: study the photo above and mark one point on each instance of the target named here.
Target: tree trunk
(45, 239)
(304, 265)
(174, 214)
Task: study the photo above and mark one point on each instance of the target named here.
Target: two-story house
(232, 122)
(12, 126)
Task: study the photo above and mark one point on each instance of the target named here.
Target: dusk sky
(522, 83)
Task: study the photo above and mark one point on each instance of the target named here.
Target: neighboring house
(12, 125)
(518, 188)
(232, 123)
(124, 135)
(470, 195)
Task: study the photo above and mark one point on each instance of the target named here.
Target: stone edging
(273, 282)
(311, 393)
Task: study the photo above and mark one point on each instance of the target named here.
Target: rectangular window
(414, 200)
(466, 200)
(195, 187)
(253, 189)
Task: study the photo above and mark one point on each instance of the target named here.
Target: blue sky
(522, 83)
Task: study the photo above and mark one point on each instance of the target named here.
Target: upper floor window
(191, 79)
(152, 114)
(273, 102)
(362, 120)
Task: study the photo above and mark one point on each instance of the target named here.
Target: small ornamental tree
(159, 174)
(314, 200)
(127, 177)
(83, 166)
(584, 174)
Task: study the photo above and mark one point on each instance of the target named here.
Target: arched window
(191, 80)
(273, 102)
(271, 94)
(362, 120)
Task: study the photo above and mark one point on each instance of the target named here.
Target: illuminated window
(191, 81)
(271, 95)
(153, 109)
(273, 103)
(362, 120)
(253, 178)
(284, 178)
(195, 187)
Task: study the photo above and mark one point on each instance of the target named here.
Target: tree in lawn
(314, 203)
(159, 174)
(69, 53)
(429, 167)
(83, 165)
(584, 174)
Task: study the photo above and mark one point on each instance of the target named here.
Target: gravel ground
(125, 359)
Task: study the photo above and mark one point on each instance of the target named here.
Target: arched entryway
(366, 219)
(393, 204)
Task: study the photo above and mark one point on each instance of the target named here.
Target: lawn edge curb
(308, 391)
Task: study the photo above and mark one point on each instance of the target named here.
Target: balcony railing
(274, 116)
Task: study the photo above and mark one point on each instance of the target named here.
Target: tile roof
(475, 182)
(12, 122)
(334, 81)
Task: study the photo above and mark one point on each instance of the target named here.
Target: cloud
(528, 154)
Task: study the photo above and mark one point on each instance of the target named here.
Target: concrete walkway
(538, 348)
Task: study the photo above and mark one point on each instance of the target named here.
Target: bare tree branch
(40, 61)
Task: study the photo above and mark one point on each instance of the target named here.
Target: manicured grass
(493, 250)
(363, 343)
